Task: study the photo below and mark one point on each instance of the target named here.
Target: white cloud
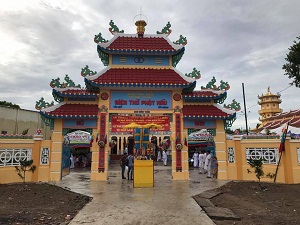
(235, 41)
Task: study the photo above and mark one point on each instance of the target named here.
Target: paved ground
(116, 201)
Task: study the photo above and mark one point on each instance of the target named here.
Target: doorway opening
(80, 158)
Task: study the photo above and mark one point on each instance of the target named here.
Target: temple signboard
(140, 100)
(118, 123)
(78, 137)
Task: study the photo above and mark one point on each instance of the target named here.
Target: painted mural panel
(199, 124)
(80, 123)
(44, 160)
(148, 60)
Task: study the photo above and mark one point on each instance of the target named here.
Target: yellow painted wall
(288, 170)
(220, 148)
(8, 174)
(56, 151)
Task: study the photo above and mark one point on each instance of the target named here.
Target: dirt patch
(38, 203)
(278, 204)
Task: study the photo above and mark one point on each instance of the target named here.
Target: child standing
(214, 167)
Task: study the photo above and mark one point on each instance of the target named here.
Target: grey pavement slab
(210, 193)
(116, 201)
(220, 213)
(203, 202)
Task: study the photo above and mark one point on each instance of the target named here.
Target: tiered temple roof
(149, 44)
(131, 75)
(139, 77)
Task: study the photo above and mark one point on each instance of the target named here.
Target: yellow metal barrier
(143, 173)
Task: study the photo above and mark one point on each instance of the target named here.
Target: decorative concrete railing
(16, 136)
(254, 136)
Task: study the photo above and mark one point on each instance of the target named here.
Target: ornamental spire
(140, 27)
(140, 24)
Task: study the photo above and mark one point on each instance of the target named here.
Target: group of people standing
(206, 163)
(162, 155)
(127, 160)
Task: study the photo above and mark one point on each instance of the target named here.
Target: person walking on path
(72, 161)
(159, 155)
(165, 157)
(123, 164)
(201, 162)
(130, 167)
(207, 165)
(214, 167)
(196, 159)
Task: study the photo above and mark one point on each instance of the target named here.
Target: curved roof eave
(51, 108)
(218, 94)
(183, 76)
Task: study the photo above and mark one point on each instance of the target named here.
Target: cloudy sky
(237, 41)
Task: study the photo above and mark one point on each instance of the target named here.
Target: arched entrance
(200, 141)
(76, 151)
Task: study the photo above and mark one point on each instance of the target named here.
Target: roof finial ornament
(140, 23)
(114, 28)
(166, 30)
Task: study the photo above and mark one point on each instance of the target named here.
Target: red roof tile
(275, 124)
(208, 111)
(286, 114)
(76, 92)
(295, 122)
(140, 76)
(72, 111)
(203, 94)
(146, 43)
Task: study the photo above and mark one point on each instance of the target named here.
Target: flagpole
(281, 150)
(277, 167)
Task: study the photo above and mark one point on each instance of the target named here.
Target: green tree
(24, 132)
(25, 166)
(229, 131)
(9, 104)
(292, 67)
(257, 165)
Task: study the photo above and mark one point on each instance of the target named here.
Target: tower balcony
(269, 101)
(271, 110)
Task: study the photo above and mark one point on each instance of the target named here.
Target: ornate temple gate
(109, 101)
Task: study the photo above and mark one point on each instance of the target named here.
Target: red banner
(118, 123)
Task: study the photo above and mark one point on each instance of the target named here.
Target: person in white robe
(207, 165)
(165, 157)
(158, 155)
(72, 161)
(196, 159)
(201, 162)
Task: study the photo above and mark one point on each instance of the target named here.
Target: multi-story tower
(269, 104)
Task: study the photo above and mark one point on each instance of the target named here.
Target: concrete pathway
(116, 201)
